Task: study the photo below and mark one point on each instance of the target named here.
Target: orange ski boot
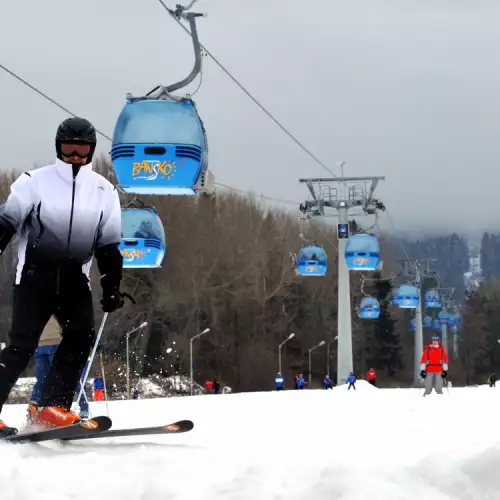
(55, 416)
(5, 430)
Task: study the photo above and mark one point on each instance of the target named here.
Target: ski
(83, 428)
(174, 428)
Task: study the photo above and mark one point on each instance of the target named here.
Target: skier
(279, 382)
(66, 214)
(300, 381)
(351, 380)
(216, 385)
(371, 375)
(492, 380)
(209, 386)
(434, 366)
(44, 354)
(327, 382)
(98, 388)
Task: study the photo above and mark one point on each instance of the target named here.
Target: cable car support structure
(342, 194)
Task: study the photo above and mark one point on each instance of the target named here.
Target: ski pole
(92, 356)
(96, 345)
(447, 385)
(104, 381)
(86, 400)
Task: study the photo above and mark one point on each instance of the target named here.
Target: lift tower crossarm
(340, 179)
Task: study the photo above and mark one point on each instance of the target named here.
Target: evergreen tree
(386, 354)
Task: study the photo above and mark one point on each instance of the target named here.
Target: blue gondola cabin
(159, 147)
(312, 261)
(408, 297)
(143, 238)
(369, 308)
(432, 299)
(362, 252)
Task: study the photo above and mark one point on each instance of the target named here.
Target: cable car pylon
(337, 196)
(415, 271)
(444, 316)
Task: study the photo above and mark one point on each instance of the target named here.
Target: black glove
(423, 373)
(444, 374)
(111, 300)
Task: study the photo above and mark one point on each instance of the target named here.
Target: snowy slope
(296, 445)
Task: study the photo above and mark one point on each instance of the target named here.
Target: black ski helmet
(76, 130)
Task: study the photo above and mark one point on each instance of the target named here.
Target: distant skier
(351, 380)
(434, 366)
(209, 386)
(279, 382)
(98, 389)
(492, 380)
(216, 385)
(371, 375)
(327, 382)
(300, 382)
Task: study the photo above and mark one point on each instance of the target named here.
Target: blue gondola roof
(408, 290)
(308, 252)
(363, 242)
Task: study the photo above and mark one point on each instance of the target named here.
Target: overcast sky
(408, 89)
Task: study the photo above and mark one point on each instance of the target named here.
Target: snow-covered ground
(295, 445)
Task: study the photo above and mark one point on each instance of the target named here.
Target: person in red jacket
(371, 375)
(209, 387)
(434, 366)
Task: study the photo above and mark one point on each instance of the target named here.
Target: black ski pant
(372, 382)
(351, 385)
(64, 293)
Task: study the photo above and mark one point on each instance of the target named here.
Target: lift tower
(447, 296)
(337, 196)
(415, 271)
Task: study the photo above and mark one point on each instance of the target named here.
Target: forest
(229, 267)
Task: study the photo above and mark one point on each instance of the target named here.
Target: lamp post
(291, 336)
(310, 360)
(127, 337)
(191, 357)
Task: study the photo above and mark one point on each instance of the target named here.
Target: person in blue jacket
(99, 389)
(327, 382)
(351, 380)
(300, 382)
(279, 382)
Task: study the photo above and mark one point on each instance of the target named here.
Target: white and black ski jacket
(63, 215)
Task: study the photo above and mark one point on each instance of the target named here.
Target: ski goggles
(70, 149)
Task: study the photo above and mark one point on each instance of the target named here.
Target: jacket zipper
(71, 215)
(70, 229)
